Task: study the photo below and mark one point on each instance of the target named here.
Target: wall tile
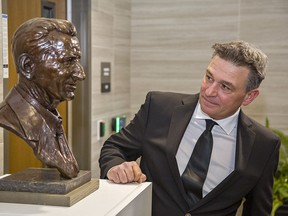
(184, 25)
(171, 41)
(102, 29)
(265, 23)
(110, 41)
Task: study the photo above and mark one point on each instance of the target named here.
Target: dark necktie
(195, 173)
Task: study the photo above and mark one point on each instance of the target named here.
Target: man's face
(223, 89)
(57, 72)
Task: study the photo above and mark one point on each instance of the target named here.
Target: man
(47, 55)
(166, 128)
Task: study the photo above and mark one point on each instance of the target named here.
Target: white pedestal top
(109, 200)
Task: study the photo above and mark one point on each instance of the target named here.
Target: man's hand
(126, 172)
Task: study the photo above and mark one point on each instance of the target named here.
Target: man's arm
(121, 150)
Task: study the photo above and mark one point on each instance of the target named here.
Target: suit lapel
(245, 141)
(179, 121)
(244, 145)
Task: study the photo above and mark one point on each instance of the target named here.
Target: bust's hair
(32, 36)
(243, 54)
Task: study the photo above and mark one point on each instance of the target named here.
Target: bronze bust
(47, 56)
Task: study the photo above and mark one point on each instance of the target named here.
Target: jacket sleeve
(259, 199)
(127, 144)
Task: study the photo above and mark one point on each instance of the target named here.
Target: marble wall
(110, 42)
(265, 23)
(171, 40)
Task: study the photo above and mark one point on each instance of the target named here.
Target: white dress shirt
(222, 161)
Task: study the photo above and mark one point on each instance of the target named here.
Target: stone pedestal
(45, 186)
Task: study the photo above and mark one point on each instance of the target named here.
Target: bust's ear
(25, 66)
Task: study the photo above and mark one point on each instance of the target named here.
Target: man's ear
(26, 66)
(250, 96)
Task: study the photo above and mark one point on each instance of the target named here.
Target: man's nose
(78, 72)
(212, 90)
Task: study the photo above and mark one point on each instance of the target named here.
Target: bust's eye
(70, 60)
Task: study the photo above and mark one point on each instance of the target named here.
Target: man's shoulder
(259, 129)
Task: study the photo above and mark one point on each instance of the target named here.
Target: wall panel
(110, 42)
(265, 23)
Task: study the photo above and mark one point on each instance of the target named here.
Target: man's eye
(209, 78)
(225, 87)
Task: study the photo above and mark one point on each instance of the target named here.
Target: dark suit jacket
(155, 134)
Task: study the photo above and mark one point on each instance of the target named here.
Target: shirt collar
(227, 124)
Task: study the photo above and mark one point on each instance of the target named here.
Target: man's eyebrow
(223, 82)
(227, 83)
(208, 72)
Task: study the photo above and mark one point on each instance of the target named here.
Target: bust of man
(47, 55)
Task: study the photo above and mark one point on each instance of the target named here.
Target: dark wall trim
(81, 105)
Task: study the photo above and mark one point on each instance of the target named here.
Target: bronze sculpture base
(44, 186)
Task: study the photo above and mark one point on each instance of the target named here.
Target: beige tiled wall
(110, 25)
(171, 42)
(265, 23)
